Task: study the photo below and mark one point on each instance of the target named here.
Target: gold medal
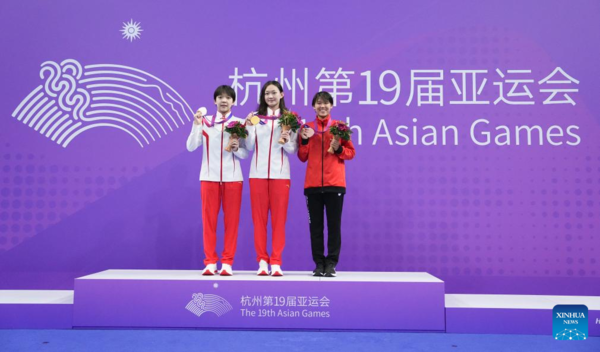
(254, 120)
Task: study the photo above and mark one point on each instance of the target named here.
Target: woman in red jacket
(325, 183)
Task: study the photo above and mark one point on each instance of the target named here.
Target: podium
(36, 309)
(392, 301)
(186, 299)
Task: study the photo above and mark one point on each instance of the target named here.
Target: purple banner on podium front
(185, 299)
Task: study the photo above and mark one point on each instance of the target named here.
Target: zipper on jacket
(270, 147)
(222, 130)
(322, 159)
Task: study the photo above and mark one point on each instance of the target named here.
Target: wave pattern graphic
(202, 303)
(73, 99)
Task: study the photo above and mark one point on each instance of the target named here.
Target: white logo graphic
(131, 30)
(74, 99)
(570, 334)
(202, 303)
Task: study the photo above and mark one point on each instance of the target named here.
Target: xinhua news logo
(570, 322)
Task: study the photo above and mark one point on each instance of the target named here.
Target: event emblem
(202, 303)
(73, 99)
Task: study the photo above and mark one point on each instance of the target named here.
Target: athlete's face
(322, 108)
(224, 103)
(273, 97)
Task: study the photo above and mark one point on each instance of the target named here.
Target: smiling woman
(270, 175)
(221, 177)
(325, 182)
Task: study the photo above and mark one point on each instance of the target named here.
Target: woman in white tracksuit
(269, 175)
(221, 179)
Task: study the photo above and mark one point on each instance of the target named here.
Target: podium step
(512, 314)
(36, 309)
(186, 299)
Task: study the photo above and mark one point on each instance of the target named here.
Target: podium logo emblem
(202, 303)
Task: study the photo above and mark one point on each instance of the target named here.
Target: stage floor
(404, 301)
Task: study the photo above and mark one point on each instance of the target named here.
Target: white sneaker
(226, 270)
(276, 270)
(263, 268)
(211, 269)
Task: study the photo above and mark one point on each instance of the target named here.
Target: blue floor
(280, 341)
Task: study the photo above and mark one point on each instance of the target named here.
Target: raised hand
(199, 115)
(249, 118)
(305, 133)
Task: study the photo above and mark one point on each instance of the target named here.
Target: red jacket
(325, 172)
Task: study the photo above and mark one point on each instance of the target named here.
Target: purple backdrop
(125, 193)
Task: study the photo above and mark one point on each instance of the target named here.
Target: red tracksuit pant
(269, 195)
(213, 194)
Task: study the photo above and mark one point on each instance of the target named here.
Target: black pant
(332, 202)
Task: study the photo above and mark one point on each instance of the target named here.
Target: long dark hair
(262, 107)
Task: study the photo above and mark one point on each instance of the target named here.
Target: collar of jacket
(323, 122)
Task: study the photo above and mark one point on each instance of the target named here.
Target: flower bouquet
(289, 120)
(237, 130)
(339, 130)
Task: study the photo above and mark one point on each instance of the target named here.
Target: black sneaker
(319, 270)
(330, 270)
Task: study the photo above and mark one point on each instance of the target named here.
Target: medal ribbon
(326, 127)
(212, 123)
